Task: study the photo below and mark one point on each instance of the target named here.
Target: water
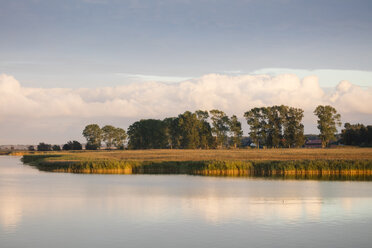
(41, 209)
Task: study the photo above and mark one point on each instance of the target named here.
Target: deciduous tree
(220, 126)
(328, 121)
(236, 131)
(93, 134)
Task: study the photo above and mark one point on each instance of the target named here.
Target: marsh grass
(224, 163)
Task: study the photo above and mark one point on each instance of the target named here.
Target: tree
(293, 132)
(56, 148)
(93, 134)
(108, 135)
(205, 130)
(72, 145)
(220, 126)
(356, 135)
(328, 120)
(120, 136)
(44, 147)
(189, 129)
(257, 125)
(172, 132)
(236, 130)
(147, 134)
(276, 126)
(274, 118)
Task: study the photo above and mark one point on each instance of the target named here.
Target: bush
(90, 146)
(56, 148)
(44, 147)
(72, 145)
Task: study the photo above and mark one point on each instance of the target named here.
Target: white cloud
(232, 94)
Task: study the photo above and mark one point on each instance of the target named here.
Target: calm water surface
(40, 209)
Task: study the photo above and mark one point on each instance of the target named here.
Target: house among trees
(315, 143)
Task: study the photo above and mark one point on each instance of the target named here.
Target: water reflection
(30, 198)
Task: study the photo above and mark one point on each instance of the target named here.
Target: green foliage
(120, 136)
(56, 148)
(275, 118)
(108, 135)
(236, 131)
(93, 134)
(72, 145)
(220, 126)
(44, 147)
(276, 126)
(328, 120)
(189, 131)
(293, 132)
(172, 132)
(357, 135)
(147, 134)
(256, 123)
(90, 146)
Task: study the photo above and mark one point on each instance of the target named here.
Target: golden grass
(233, 154)
(269, 162)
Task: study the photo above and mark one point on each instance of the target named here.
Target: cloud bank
(232, 94)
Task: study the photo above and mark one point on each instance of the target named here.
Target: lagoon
(45, 209)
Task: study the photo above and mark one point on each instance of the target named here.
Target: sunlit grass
(270, 162)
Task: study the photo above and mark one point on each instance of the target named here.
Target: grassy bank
(130, 162)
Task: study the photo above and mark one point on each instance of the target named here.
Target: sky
(66, 64)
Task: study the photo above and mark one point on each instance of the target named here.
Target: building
(316, 143)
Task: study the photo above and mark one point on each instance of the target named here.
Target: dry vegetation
(270, 162)
(238, 154)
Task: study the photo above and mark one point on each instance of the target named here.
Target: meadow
(234, 162)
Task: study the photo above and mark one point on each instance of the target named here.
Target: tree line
(70, 145)
(357, 135)
(273, 126)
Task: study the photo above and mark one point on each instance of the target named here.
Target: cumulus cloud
(232, 94)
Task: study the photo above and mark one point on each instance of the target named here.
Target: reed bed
(232, 154)
(87, 163)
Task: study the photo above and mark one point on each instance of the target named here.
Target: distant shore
(303, 163)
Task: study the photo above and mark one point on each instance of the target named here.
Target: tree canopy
(328, 120)
(72, 145)
(93, 135)
(356, 135)
(276, 126)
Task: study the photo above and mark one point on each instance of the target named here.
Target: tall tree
(120, 136)
(108, 135)
(205, 130)
(257, 125)
(293, 132)
(93, 134)
(172, 132)
(236, 131)
(189, 130)
(274, 121)
(147, 134)
(220, 126)
(328, 120)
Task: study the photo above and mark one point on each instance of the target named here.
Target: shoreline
(256, 168)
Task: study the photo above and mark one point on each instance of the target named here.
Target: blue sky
(46, 45)
(98, 42)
